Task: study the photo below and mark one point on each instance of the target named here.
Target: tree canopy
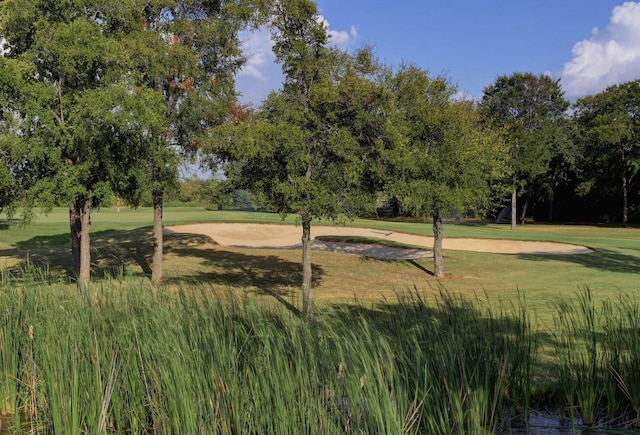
(309, 148)
(105, 95)
(610, 126)
(188, 52)
(446, 161)
(83, 122)
(530, 110)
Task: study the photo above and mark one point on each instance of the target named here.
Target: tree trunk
(625, 200)
(550, 206)
(438, 260)
(514, 204)
(85, 244)
(307, 308)
(156, 267)
(75, 226)
(523, 217)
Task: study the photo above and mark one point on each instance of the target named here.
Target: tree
(11, 148)
(84, 124)
(530, 109)
(188, 51)
(447, 161)
(307, 149)
(610, 125)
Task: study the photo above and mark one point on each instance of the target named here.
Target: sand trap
(288, 237)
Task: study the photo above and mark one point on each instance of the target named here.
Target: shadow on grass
(114, 253)
(270, 274)
(410, 261)
(480, 334)
(601, 259)
(111, 253)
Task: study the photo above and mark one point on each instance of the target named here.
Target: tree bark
(514, 204)
(307, 308)
(85, 244)
(525, 207)
(625, 201)
(438, 259)
(156, 267)
(75, 226)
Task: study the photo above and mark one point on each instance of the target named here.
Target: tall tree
(530, 109)
(447, 161)
(610, 123)
(84, 122)
(188, 51)
(307, 149)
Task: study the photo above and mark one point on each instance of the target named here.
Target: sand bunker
(288, 237)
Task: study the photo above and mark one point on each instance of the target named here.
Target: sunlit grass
(122, 244)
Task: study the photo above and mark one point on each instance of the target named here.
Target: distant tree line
(105, 99)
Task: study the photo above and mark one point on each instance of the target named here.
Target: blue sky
(587, 44)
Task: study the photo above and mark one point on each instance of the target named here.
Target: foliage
(448, 162)
(71, 102)
(114, 358)
(597, 345)
(207, 193)
(188, 51)
(85, 124)
(104, 93)
(445, 161)
(123, 363)
(610, 138)
(308, 149)
(530, 109)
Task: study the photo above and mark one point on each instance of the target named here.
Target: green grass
(500, 286)
(119, 358)
(122, 242)
(124, 357)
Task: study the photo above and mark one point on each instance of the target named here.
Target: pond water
(541, 423)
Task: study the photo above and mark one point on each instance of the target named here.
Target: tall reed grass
(598, 347)
(124, 357)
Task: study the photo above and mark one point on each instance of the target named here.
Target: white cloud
(341, 39)
(610, 56)
(257, 46)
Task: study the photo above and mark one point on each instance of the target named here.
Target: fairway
(122, 244)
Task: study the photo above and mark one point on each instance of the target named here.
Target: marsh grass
(123, 357)
(580, 357)
(598, 346)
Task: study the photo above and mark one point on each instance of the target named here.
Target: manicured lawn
(122, 242)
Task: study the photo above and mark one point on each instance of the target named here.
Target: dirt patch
(288, 237)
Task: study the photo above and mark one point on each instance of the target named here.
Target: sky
(586, 44)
